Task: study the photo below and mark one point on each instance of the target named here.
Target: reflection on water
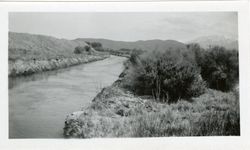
(15, 81)
(38, 104)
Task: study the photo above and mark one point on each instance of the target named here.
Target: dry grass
(115, 113)
(214, 113)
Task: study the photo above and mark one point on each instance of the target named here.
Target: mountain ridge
(148, 45)
(47, 44)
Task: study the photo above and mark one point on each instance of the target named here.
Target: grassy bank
(116, 112)
(27, 67)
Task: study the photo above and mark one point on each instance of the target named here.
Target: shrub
(167, 76)
(96, 45)
(219, 67)
(81, 50)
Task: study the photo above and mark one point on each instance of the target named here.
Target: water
(39, 104)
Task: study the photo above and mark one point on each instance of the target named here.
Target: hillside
(148, 45)
(41, 45)
(206, 41)
(29, 53)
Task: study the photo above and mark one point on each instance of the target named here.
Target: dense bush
(219, 66)
(97, 46)
(81, 50)
(168, 76)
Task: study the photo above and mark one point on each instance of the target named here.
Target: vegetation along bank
(175, 92)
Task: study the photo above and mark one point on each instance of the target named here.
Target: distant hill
(30, 53)
(207, 41)
(41, 44)
(148, 45)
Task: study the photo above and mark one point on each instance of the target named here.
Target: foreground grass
(117, 113)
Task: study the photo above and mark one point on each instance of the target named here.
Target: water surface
(39, 104)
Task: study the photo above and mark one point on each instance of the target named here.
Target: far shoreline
(25, 68)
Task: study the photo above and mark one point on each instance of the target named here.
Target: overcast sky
(127, 26)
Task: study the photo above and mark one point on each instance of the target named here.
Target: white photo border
(192, 143)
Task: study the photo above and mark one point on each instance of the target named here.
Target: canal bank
(38, 107)
(27, 67)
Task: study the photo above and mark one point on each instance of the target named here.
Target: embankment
(116, 112)
(27, 67)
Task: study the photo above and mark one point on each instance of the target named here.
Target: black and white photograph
(152, 75)
(87, 75)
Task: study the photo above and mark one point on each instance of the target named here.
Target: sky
(127, 26)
